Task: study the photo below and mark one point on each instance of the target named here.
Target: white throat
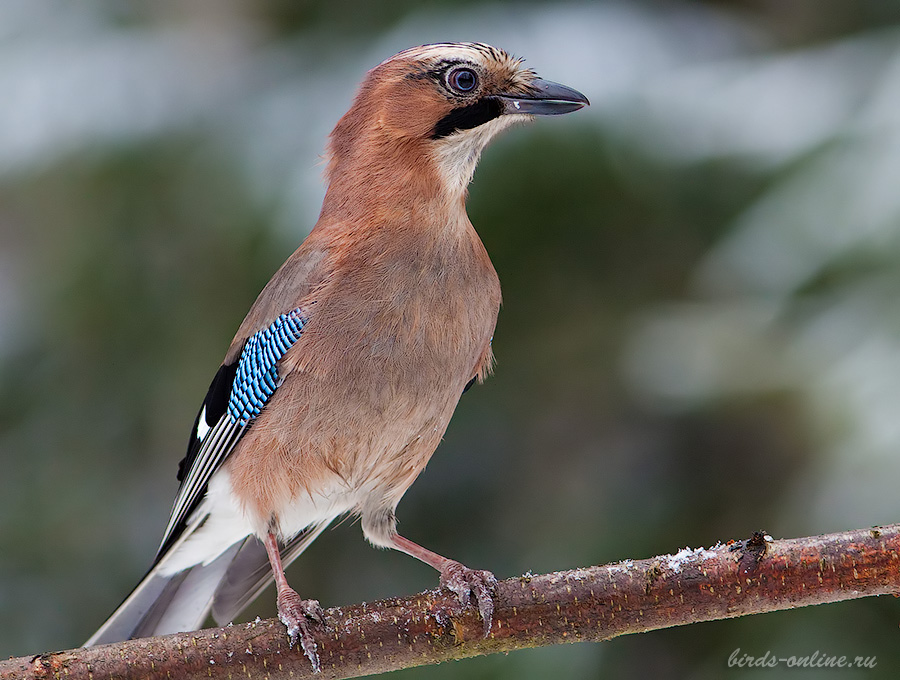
(457, 154)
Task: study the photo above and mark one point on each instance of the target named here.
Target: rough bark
(598, 603)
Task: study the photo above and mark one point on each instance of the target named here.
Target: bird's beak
(546, 98)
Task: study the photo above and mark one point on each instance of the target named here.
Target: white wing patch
(203, 427)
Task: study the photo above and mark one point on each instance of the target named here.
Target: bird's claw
(467, 583)
(297, 615)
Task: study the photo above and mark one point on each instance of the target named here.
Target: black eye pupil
(463, 80)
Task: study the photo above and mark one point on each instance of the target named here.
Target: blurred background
(701, 326)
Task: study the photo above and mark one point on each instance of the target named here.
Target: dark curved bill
(547, 99)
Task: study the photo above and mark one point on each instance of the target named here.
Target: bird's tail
(166, 603)
(169, 603)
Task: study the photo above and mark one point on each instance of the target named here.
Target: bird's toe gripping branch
(298, 616)
(472, 583)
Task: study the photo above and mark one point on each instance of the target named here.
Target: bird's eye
(462, 79)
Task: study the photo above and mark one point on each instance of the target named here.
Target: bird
(341, 380)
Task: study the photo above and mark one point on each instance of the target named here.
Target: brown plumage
(394, 300)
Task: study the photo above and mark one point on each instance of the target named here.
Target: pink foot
(296, 613)
(468, 583)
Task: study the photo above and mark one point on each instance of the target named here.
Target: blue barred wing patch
(257, 374)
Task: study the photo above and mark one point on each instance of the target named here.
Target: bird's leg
(292, 609)
(464, 582)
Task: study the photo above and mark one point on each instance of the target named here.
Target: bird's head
(439, 105)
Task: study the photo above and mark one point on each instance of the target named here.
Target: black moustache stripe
(468, 117)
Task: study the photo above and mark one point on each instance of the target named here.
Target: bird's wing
(236, 396)
(247, 378)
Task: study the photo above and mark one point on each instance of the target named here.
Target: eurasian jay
(340, 382)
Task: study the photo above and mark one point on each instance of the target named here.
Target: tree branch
(593, 604)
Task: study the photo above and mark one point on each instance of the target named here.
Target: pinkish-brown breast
(398, 327)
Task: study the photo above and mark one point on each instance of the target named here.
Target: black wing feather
(203, 455)
(215, 403)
